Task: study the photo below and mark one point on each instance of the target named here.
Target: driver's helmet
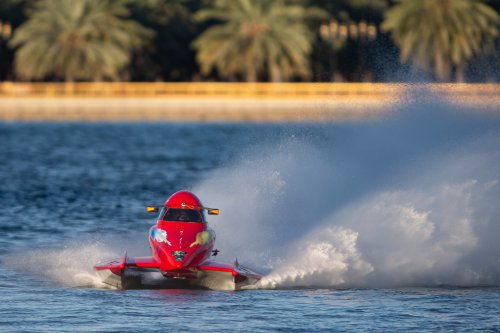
(183, 199)
(182, 206)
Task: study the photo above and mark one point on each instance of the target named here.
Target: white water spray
(407, 201)
(71, 266)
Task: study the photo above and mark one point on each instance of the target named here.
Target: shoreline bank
(176, 109)
(229, 102)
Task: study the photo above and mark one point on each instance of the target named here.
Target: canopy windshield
(183, 215)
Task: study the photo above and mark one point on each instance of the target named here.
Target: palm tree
(439, 35)
(77, 40)
(256, 38)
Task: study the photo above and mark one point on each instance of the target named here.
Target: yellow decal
(202, 238)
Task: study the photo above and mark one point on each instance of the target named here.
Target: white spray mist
(410, 200)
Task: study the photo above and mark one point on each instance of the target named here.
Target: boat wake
(411, 200)
(71, 266)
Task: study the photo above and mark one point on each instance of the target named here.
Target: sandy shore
(184, 109)
(220, 102)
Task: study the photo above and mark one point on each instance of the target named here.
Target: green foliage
(77, 40)
(437, 35)
(245, 39)
(257, 38)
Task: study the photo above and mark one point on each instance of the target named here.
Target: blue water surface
(65, 184)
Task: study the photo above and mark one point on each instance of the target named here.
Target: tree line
(249, 40)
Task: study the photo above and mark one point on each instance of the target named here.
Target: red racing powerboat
(181, 244)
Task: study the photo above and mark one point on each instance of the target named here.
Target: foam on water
(71, 266)
(411, 200)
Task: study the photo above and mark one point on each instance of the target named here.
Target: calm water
(73, 194)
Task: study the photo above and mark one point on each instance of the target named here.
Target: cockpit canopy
(181, 215)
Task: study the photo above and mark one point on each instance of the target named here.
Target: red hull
(181, 244)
